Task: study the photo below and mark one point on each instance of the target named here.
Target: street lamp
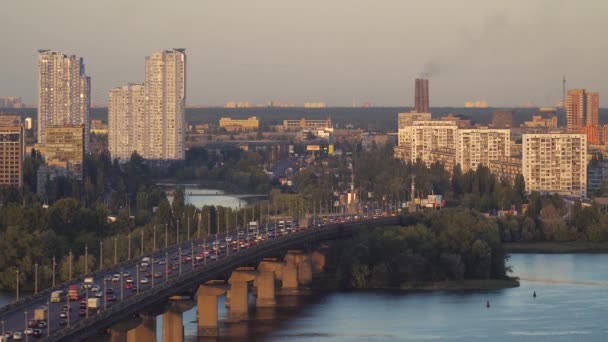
(129, 239)
(2, 322)
(137, 278)
(25, 326)
(17, 286)
(100, 255)
(166, 235)
(115, 251)
(86, 257)
(177, 231)
(142, 243)
(179, 252)
(192, 253)
(122, 287)
(70, 265)
(154, 239)
(166, 266)
(48, 318)
(54, 264)
(35, 278)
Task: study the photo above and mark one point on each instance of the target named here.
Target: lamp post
(2, 322)
(179, 252)
(122, 287)
(141, 254)
(115, 251)
(166, 235)
(105, 295)
(192, 253)
(152, 267)
(188, 238)
(177, 232)
(86, 256)
(137, 279)
(166, 266)
(100, 255)
(70, 264)
(48, 318)
(35, 278)
(154, 239)
(54, 264)
(129, 240)
(17, 294)
(25, 326)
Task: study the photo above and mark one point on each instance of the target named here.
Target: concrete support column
(318, 262)
(266, 290)
(239, 309)
(206, 301)
(117, 335)
(146, 331)
(173, 326)
(305, 270)
(290, 277)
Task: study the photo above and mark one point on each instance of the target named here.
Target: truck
(57, 296)
(145, 262)
(93, 303)
(253, 226)
(40, 314)
(74, 292)
(88, 283)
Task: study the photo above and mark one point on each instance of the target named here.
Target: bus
(57, 296)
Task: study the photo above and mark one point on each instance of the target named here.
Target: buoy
(534, 295)
(487, 303)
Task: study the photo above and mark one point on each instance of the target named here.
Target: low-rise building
(240, 125)
(370, 139)
(506, 168)
(306, 124)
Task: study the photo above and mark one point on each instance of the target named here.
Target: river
(571, 305)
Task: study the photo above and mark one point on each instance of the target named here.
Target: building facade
(165, 103)
(478, 146)
(555, 163)
(423, 137)
(545, 117)
(64, 93)
(64, 149)
(407, 119)
(582, 109)
(12, 151)
(126, 121)
(593, 133)
(421, 97)
(306, 124)
(240, 125)
(502, 119)
(506, 168)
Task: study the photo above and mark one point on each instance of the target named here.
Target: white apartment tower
(64, 93)
(126, 121)
(555, 163)
(424, 137)
(165, 102)
(478, 146)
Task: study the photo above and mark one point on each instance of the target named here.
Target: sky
(508, 53)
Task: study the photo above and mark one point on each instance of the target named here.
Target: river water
(571, 305)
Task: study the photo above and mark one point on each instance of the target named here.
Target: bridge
(206, 281)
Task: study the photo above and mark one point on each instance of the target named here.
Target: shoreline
(449, 285)
(552, 247)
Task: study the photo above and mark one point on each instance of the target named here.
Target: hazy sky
(508, 53)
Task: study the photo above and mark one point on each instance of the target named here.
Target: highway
(165, 264)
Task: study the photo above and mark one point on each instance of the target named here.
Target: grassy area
(460, 285)
(556, 247)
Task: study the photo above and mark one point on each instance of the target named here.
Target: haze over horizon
(508, 54)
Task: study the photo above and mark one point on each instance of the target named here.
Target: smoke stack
(422, 96)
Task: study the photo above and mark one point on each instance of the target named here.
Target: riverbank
(463, 285)
(552, 247)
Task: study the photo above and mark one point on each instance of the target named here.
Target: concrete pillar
(117, 335)
(318, 262)
(146, 331)
(273, 266)
(206, 300)
(290, 277)
(266, 291)
(305, 270)
(173, 326)
(239, 309)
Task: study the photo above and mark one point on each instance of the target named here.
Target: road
(167, 263)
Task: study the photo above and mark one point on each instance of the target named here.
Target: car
(162, 262)
(157, 274)
(126, 273)
(107, 277)
(144, 280)
(82, 312)
(95, 288)
(63, 321)
(155, 261)
(17, 336)
(109, 290)
(148, 275)
(63, 314)
(37, 333)
(111, 298)
(128, 286)
(168, 271)
(98, 294)
(66, 308)
(116, 278)
(32, 323)
(28, 331)
(41, 324)
(8, 335)
(129, 280)
(82, 306)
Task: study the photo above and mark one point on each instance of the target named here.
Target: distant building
(604, 134)
(545, 117)
(478, 146)
(46, 173)
(593, 134)
(506, 168)
(502, 119)
(240, 125)
(421, 96)
(460, 121)
(476, 104)
(12, 151)
(306, 124)
(98, 127)
(65, 149)
(127, 121)
(370, 139)
(582, 109)
(423, 137)
(28, 123)
(11, 102)
(597, 174)
(64, 93)
(445, 156)
(240, 104)
(315, 105)
(407, 119)
(555, 163)
(10, 120)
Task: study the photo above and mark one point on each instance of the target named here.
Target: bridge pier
(146, 331)
(173, 325)
(118, 332)
(266, 289)
(238, 293)
(304, 263)
(117, 335)
(318, 262)
(206, 300)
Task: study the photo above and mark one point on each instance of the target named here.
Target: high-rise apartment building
(165, 102)
(555, 163)
(64, 93)
(126, 121)
(479, 146)
(582, 109)
(421, 96)
(502, 119)
(407, 119)
(64, 149)
(423, 137)
(12, 151)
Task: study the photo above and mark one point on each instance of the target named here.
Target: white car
(17, 336)
(95, 288)
(129, 280)
(116, 278)
(144, 280)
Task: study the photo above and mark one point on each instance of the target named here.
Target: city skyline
(336, 61)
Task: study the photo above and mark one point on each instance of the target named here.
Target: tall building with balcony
(423, 137)
(165, 102)
(555, 163)
(582, 109)
(479, 146)
(126, 121)
(64, 93)
(64, 149)
(12, 151)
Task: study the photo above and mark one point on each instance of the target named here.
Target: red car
(82, 312)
